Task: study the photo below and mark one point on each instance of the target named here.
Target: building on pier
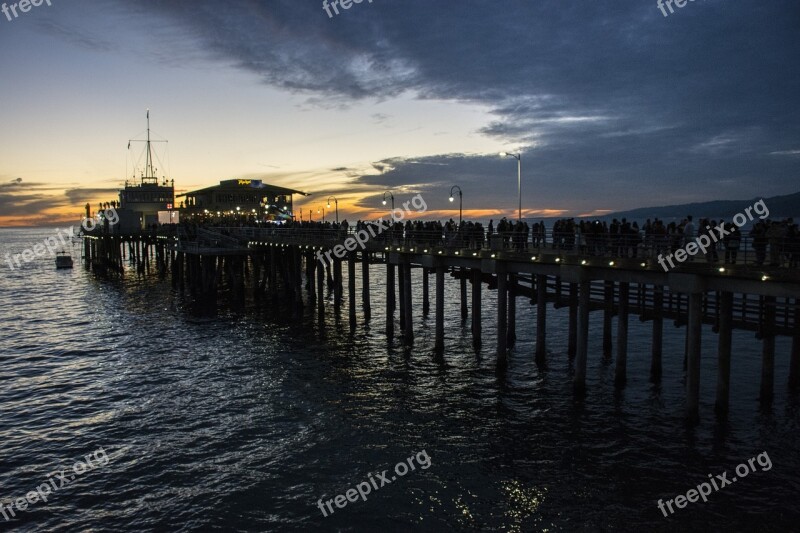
(245, 197)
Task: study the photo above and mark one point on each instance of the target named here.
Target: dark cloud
(74, 36)
(15, 183)
(82, 195)
(613, 104)
(26, 199)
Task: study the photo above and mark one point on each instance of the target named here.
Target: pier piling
(768, 352)
(511, 333)
(693, 332)
(541, 317)
(502, 322)
(582, 347)
(365, 290)
(724, 353)
(409, 331)
(351, 289)
(476, 307)
(439, 343)
(621, 369)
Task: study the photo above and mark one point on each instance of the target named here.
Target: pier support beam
(365, 297)
(351, 289)
(337, 283)
(512, 309)
(502, 322)
(320, 288)
(273, 271)
(390, 298)
(794, 362)
(297, 277)
(608, 314)
(311, 277)
(426, 300)
(768, 352)
(621, 369)
(693, 332)
(572, 329)
(409, 331)
(464, 308)
(658, 334)
(541, 317)
(724, 353)
(476, 307)
(582, 351)
(439, 346)
(401, 286)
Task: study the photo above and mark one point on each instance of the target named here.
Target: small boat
(63, 260)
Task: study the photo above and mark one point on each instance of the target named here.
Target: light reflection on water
(243, 421)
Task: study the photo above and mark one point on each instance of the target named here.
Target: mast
(148, 167)
(149, 174)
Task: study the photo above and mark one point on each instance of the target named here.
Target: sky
(611, 104)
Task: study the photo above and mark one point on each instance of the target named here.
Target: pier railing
(748, 250)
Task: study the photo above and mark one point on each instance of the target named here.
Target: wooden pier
(763, 300)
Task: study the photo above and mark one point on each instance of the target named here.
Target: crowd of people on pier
(772, 242)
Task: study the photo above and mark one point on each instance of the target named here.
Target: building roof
(244, 185)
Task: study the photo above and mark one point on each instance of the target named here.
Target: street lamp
(460, 201)
(322, 210)
(336, 202)
(384, 199)
(519, 178)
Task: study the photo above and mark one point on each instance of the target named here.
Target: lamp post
(392, 197)
(518, 157)
(336, 203)
(322, 210)
(460, 201)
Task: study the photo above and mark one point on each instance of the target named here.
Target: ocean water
(243, 422)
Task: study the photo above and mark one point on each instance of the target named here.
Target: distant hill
(779, 207)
